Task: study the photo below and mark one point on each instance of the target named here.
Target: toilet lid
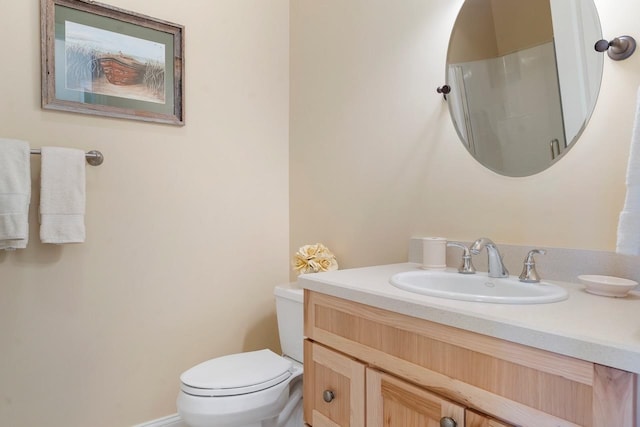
(236, 374)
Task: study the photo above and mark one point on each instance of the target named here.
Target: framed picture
(101, 60)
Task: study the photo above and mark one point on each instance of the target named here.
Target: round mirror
(524, 79)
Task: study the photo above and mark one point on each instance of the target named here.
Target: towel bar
(94, 157)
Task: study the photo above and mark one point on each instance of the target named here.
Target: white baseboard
(169, 421)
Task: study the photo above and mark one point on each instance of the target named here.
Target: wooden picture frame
(105, 61)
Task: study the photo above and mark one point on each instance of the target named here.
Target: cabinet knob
(328, 396)
(447, 422)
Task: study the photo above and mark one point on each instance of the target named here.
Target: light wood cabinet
(413, 371)
(392, 402)
(474, 419)
(334, 388)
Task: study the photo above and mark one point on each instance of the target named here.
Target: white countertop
(597, 329)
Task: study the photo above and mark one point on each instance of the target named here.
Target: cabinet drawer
(392, 402)
(334, 388)
(473, 419)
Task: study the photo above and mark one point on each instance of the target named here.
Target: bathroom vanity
(376, 355)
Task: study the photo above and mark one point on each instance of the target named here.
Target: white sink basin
(477, 287)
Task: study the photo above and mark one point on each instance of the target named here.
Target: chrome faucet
(467, 266)
(529, 273)
(496, 267)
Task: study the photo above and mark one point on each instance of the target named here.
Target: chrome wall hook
(619, 48)
(444, 90)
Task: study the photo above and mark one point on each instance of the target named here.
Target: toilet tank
(290, 312)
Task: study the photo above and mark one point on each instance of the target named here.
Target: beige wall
(490, 28)
(474, 37)
(518, 28)
(375, 158)
(187, 228)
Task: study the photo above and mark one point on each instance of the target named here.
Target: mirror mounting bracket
(619, 48)
(444, 90)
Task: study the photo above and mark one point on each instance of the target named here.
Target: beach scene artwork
(109, 63)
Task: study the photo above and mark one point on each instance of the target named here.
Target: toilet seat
(236, 374)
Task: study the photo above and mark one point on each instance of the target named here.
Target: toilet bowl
(251, 389)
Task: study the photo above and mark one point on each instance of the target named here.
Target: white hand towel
(62, 196)
(629, 222)
(15, 193)
(633, 166)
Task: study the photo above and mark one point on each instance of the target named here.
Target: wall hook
(444, 90)
(619, 48)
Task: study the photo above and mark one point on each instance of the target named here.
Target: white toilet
(252, 389)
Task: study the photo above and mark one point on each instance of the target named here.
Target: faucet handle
(529, 273)
(467, 266)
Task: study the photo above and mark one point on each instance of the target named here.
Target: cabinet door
(478, 420)
(333, 388)
(392, 402)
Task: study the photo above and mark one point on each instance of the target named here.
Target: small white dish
(607, 286)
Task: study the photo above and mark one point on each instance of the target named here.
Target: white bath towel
(15, 193)
(62, 196)
(629, 222)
